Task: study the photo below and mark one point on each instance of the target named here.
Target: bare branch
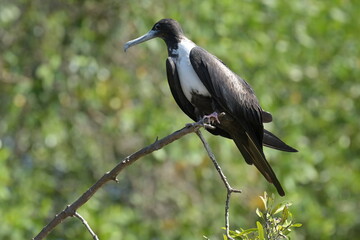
(229, 189)
(95, 237)
(70, 210)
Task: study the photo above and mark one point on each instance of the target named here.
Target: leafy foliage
(276, 222)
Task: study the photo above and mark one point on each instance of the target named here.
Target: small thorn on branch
(69, 211)
(115, 179)
(112, 177)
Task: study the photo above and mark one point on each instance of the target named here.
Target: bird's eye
(157, 27)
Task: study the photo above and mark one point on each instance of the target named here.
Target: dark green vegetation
(275, 222)
(72, 104)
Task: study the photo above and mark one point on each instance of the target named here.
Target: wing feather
(237, 99)
(230, 91)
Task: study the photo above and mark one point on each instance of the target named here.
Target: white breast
(190, 82)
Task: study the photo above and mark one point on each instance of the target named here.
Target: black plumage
(202, 85)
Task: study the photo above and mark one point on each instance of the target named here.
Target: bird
(205, 88)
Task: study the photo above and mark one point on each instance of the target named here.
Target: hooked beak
(150, 35)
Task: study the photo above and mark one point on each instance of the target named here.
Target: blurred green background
(73, 104)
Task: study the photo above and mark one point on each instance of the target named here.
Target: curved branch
(70, 210)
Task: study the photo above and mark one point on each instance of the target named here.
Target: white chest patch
(190, 82)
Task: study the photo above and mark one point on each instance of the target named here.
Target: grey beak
(150, 35)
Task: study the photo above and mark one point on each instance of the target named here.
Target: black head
(167, 29)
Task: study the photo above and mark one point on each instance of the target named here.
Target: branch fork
(71, 210)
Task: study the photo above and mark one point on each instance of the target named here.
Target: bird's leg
(211, 118)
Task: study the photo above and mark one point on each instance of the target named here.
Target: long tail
(269, 140)
(254, 155)
(272, 141)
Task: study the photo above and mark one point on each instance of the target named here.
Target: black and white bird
(203, 86)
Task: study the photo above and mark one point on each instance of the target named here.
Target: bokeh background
(73, 104)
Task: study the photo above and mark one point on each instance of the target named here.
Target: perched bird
(203, 86)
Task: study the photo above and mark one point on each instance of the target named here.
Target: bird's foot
(210, 119)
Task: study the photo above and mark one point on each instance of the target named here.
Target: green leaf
(296, 225)
(260, 230)
(285, 214)
(245, 232)
(264, 200)
(278, 208)
(259, 213)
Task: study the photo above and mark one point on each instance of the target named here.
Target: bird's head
(167, 29)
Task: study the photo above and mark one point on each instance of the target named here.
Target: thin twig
(70, 210)
(95, 237)
(229, 189)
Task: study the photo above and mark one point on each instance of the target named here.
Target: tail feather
(254, 155)
(272, 141)
(269, 140)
